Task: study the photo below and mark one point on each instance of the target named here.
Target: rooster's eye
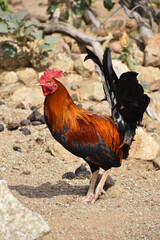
(49, 82)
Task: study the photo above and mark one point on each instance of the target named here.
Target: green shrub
(27, 39)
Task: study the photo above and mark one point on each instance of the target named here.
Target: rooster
(102, 141)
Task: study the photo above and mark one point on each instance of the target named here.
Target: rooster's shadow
(48, 190)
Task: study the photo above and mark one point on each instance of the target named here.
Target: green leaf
(108, 4)
(3, 5)
(21, 16)
(37, 34)
(22, 32)
(51, 39)
(3, 27)
(79, 8)
(9, 49)
(66, 16)
(34, 22)
(52, 7)
(6, 16)
(146, 86)
(45, 47)
(29, 30)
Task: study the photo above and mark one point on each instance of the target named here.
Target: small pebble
(26, 172)
(25, 122)
(25, 131)
(36, 123)
(74, 97)
(33, 108)
(1, 128)
(15, 167)
(2, 169)
(34, 116)
(2, 103)
(12, 126)
(16, 148)
(90, 109)
(42, 119)
(74, 87)
(79, 105)
(82, 168)
(20, 105)
(39, 141)
(68, 175)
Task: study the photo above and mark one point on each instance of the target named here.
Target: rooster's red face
(48, 81)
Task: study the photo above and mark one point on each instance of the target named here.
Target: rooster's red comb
(50, 74)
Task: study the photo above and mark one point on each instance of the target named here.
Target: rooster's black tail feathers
(125, 96)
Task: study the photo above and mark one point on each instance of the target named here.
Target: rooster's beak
(38, 84)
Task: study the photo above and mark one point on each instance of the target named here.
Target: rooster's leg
(90, 193)
(99, 189)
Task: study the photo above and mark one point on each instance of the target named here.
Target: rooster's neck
(59, 109)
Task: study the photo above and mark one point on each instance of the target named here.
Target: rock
(119, 67)
(2, 103)
(144, 147)
(74, 86)
(15, 167)
(16, 148)
(10, 78)
(84, 69)
(3, 169)
(149, 74)
(155, 102)
(34, 116)
(28, 76)
(42, 119)
(73, 79)
(63, 62)
(115, 46)
(156, 162)
(110, 21)
(12, 126)
(18, 222)
(26, 172)
(152, 52)
(1, 128)
(39, 141)
(10, 114)
(137, 54)
(25, 122)
(28, 96)
(36, 123)
(92, 91)
(102, 107)
(25, 131)
(74, 97)
(20, 105)
(68, 175)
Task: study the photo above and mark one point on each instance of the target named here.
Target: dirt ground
(129, 210)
